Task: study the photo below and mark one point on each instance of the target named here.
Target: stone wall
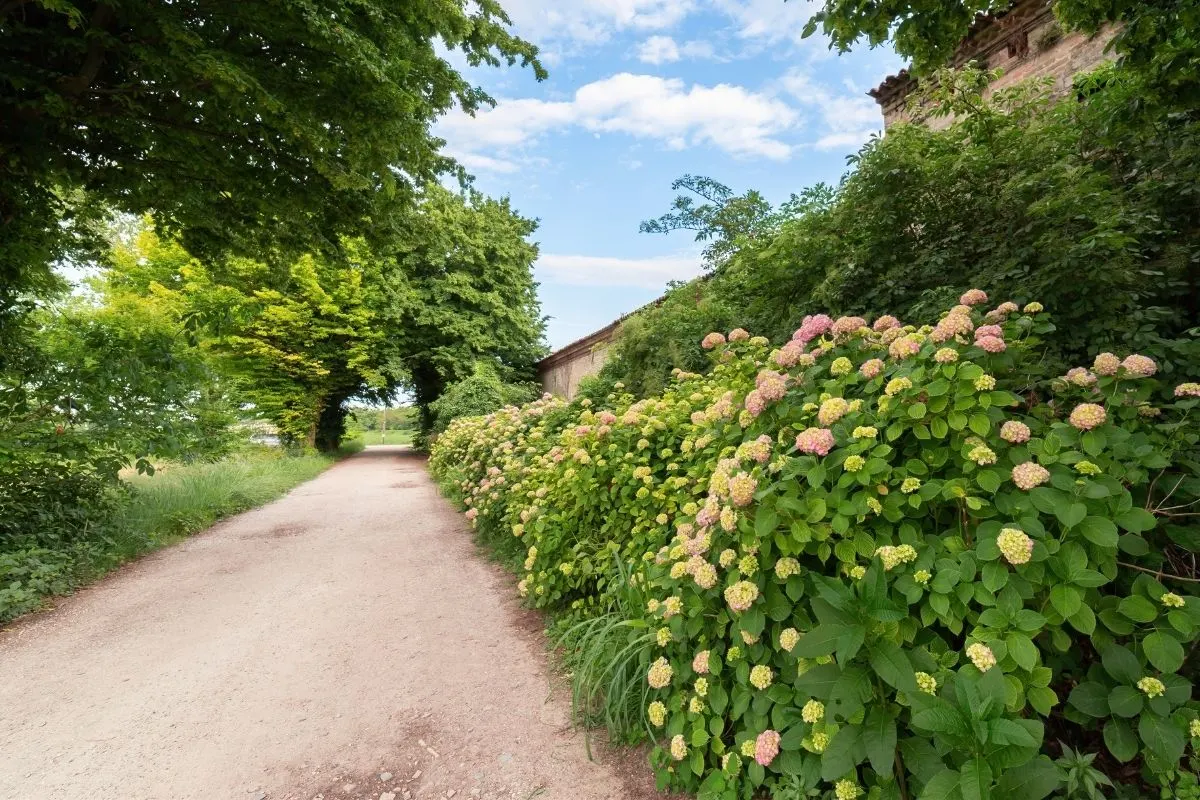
(561, 371)
(1026, 42)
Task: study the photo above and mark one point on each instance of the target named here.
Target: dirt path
(303, 650)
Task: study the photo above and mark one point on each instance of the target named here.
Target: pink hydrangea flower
(973, 297)
(1139, 366)
(904, 347)
(1087, 416)
(992, 344)
(771, 385)
(1187, 390)
(815, 441)
(697, 417)
(1106, 364)
(989, 330)
(1080, 377)
(951, 325)
(1029, 475)
(755, 402)
(812, 327)
(700, 663)
(871, 368)
(766, 747)
(739, 335)
(714, 339)
(886, 322)
(1006, 308)
(788, 355)
(607, 418)
(1015, 432)
(844, 326)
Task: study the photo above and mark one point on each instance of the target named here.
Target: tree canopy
(257, 127)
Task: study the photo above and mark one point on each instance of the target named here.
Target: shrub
(878, 561)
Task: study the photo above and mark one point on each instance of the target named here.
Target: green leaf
(1066, 599)
(1121, 664)
(1136, 520)
(943, 786)
(1120, 740)
(1099, 531)
(890, 663)
(1071, 515)
(1091, 698)
(1010, 732)
(879, 738)
(917, 410)
(1125, 701)
(976, 781)
(1162, 737)
(941, 717)
(765, 521)
(988, 480)
(838, 758)
(1138, 609)
(820, 641)
(1022, 649)
(1163, 651)
(980, 424)
(1032, 780)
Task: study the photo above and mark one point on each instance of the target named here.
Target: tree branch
(1159, 574)
(94, 59)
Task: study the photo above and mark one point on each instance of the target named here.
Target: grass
(179, 500)
(396, 436)
(153, 511)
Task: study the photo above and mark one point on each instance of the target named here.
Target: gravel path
(347, 641)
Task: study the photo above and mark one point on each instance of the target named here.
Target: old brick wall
(561, 377)
(1025, 43)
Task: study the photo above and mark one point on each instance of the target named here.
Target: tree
(1158, 37)
(724, 221)
(472, 297)
(297, 343)
(268, 128)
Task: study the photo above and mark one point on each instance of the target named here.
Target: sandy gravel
(347, 641)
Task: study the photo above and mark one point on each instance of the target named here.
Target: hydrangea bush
(877, 561)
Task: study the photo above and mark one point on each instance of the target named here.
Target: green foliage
(149, 511)
(1074, 203)
(480, 393)
(892, 560)
(310, 125)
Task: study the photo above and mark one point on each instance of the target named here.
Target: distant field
(391, 437)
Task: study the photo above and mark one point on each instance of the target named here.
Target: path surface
(302, 650)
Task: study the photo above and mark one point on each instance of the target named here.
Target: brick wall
(1025, 43)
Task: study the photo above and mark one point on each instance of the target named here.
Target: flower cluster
(1015, 545)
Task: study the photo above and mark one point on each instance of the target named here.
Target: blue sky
(641, 92)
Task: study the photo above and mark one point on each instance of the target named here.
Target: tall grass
(151, 511)
(181, 499)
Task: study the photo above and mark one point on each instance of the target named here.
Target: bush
(887, 562)
(480, 393)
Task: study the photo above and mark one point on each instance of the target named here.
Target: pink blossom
(700, 663)
(973, 297)
(1139, 366)
(771, 385)
(1029, 475)
(1106, 364)
(885, 322)
(904, 347)
(871, 368)
(1080, 377)
(951, 325)
(712, 340)
(766, 747)
(844, 326)
(1187, 390)
(1015, 432)
(812, 327)
(739, 335)
(788, 355)
(755, 402)
(989, 330)
(607, 418)
(1087, 416)
(992, 344)
(815, 441)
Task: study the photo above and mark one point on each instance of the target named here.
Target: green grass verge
(401, 436)
(153, 511)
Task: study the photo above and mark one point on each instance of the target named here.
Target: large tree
(1159, 37)
(253, 125)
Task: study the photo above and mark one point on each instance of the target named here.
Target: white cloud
(646, 273)
(592, 21)
(731, 118)
(658, 50)
(477, 162)
(847, 120)
(769, 20)
(664, 50)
